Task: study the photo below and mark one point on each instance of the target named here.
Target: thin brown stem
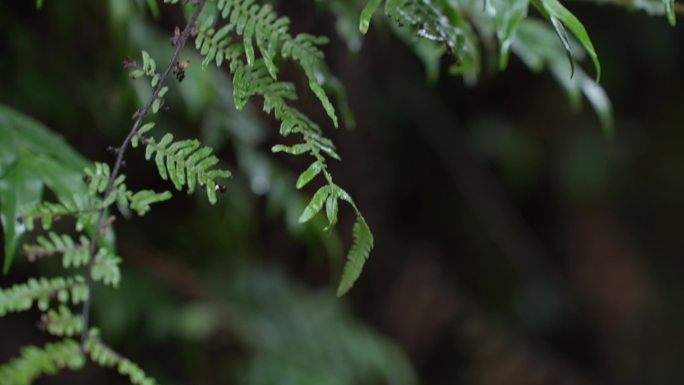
(102, 223)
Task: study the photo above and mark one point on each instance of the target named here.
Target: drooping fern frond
(363, 244)
(22, 296)
(106, 357)
(255, 80)
(186, 162)
(256, 22)
(37, 361)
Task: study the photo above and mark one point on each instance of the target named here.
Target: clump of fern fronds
(186, 163)
(253, 76)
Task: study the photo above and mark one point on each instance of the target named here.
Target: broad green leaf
(557, 10)
(670, 11)
(367, 15)
(315, 205)
(64, 181)
(25, 132)
(31, 157)
(563, 36)
(509, 14)
(19, 187)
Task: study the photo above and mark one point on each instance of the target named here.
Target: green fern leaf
(140, 201)
(74, 254)
(509, 15)
(36, 362)
(22, 296)
(255, 22)
(186, 163)
(84, 208)
(358, 254)
(254, 79)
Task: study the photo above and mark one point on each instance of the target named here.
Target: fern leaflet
(22, 296)
(252, 22)
(363, 244)
(187, 163)
(35, 362)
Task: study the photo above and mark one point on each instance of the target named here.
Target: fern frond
(254, 80)
(74, 254)
(35, 362)
(187, 163)
(22, 296)
(62, 322)
(104, 356)
(251, 80)
(255, 22)
(84, 208)
(105, 268)
(140, 201)
(248, 81)
(358, 254)
(328, 197)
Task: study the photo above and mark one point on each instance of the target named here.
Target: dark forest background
(515, 243)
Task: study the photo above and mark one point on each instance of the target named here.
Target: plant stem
(102, 223)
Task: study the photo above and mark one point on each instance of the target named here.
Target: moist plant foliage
(251, 41)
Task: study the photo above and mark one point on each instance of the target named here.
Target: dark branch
(102, 222)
